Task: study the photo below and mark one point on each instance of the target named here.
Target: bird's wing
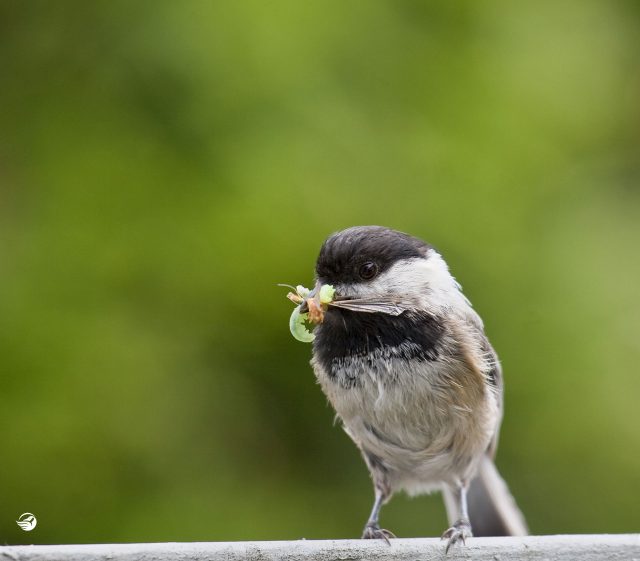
(494, 376)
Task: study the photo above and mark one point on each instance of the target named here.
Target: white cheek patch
(418, 283)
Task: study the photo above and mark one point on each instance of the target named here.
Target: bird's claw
(459, 532)
(374, 532)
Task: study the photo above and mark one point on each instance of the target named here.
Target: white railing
(616, 547)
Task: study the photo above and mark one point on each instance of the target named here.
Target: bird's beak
(304, 307)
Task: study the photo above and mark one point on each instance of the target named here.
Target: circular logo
(27, 521)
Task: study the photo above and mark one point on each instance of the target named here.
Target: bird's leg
(461, 529)
(372, 529)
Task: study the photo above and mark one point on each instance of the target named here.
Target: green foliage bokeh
(164, 164)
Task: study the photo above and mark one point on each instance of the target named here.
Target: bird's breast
(405, 389)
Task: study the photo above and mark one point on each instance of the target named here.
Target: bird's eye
(368, 270)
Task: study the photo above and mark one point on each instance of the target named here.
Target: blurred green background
(164, 164)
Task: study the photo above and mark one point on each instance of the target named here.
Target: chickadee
(404, 360)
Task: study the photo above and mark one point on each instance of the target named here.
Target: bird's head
(373, 266)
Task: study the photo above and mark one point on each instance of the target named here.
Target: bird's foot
(374, 532)
(459, 532)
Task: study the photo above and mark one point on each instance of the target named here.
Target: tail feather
(492, 509)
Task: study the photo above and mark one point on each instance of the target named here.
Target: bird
(404, 360)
